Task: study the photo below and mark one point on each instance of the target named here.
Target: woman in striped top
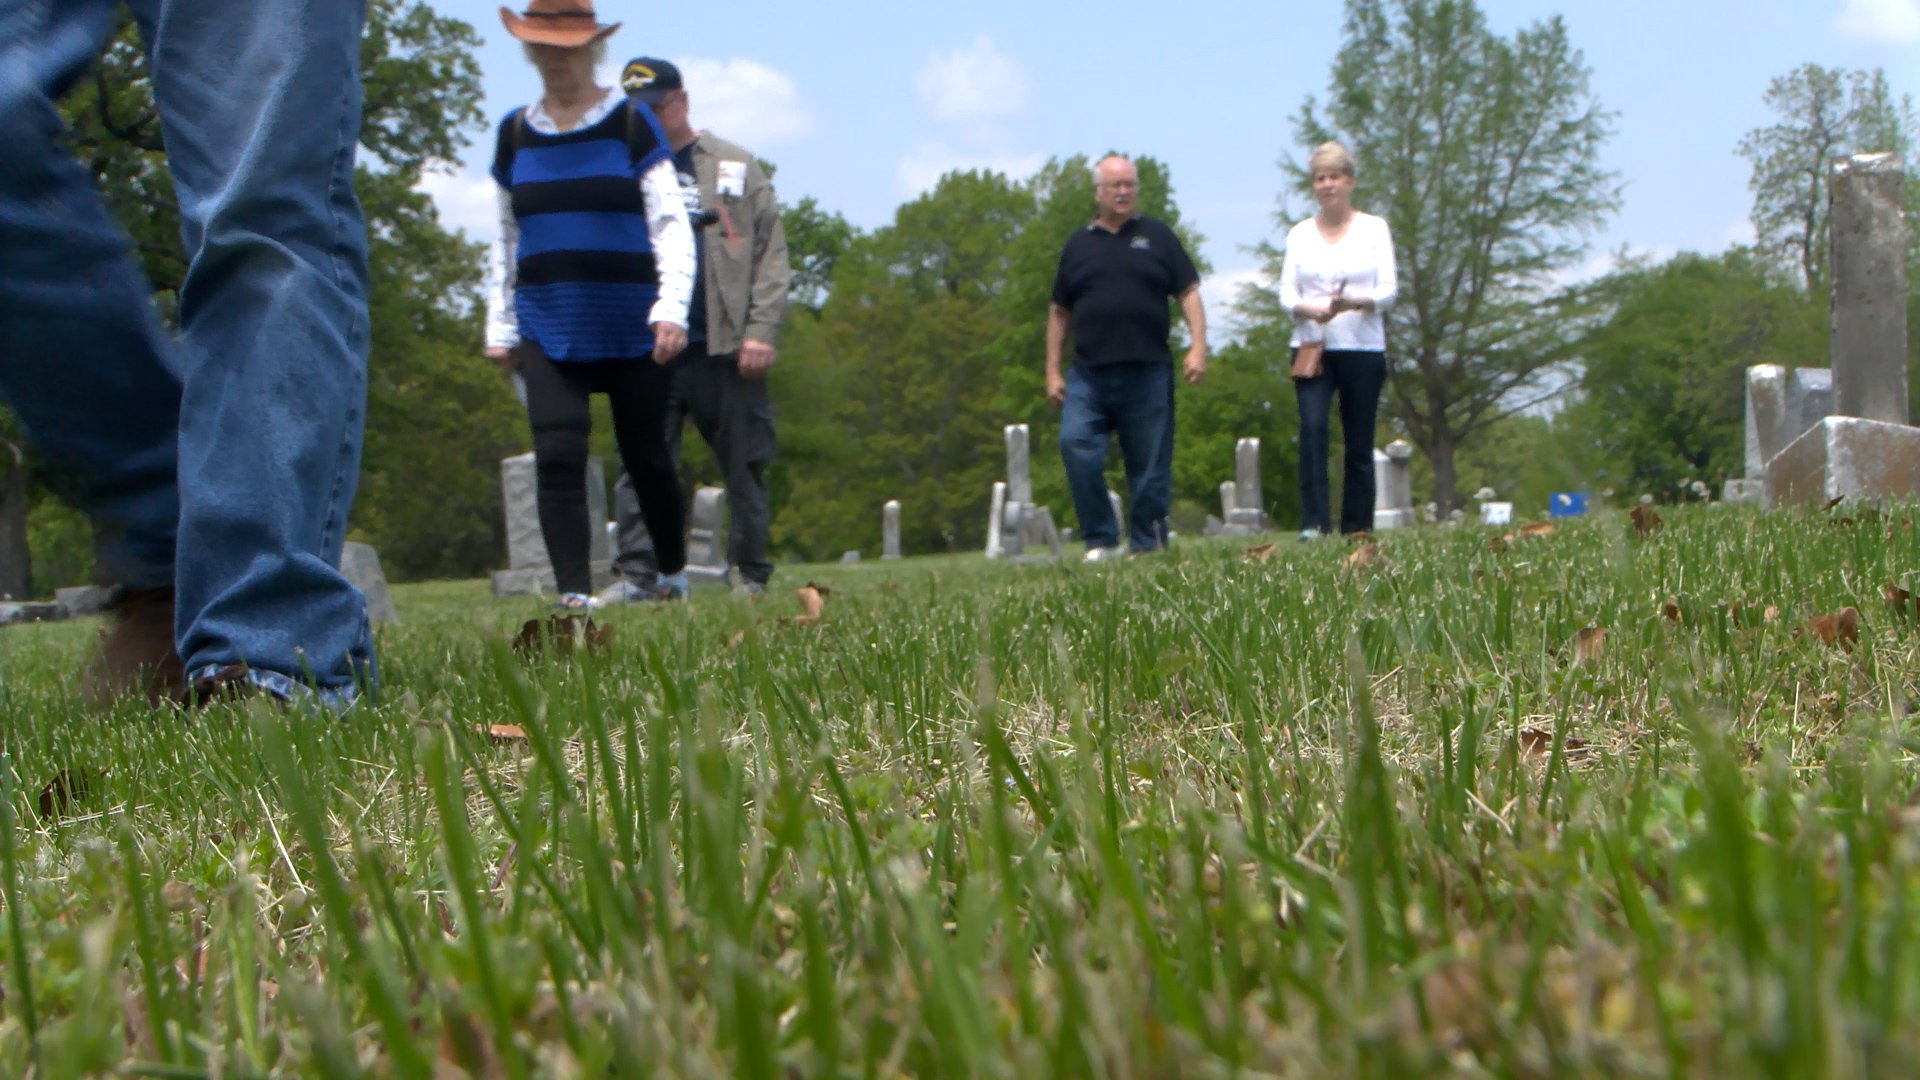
(590, 284)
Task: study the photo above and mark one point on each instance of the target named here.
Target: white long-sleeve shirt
(1362, 261)
(667, 229)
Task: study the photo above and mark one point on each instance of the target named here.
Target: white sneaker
(1105, 554)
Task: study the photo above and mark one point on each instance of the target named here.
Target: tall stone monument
(1014, 523)
(1393, 486)
(1867, 450)
(890, 529)
(1782, 405)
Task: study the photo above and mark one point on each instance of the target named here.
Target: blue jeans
(237, 445)
(1135, 403)
(1359, 378)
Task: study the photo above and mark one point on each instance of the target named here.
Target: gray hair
(596, 50)
(1111, 157)
(1330, 155)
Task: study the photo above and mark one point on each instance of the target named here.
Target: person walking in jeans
(739, 298)
(1337, 280)
(218, 467)
(1112, 288)
(591, 279)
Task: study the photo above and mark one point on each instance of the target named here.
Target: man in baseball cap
(739, 297)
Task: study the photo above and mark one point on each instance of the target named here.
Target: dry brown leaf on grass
(1537, 742)
(1900, 600)
(1365, 556)
(1841, 628)
(1646, 520)
(1262, 553)
(1537, 530)
(813, 601)
(505, 733)
(1589, 644)
(1833, 502)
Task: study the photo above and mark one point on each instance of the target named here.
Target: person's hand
(668, 340)
(756, 358)
(1056, 389)
(1319, 313)
(1195, 367)
(1342, 304)
(508, 362)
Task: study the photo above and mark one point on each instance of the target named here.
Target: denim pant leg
(1142, 401)
(83, 361)
(738, 425)
(1360, 377)
(1084, 423)
(260, 108)
(1315, 396)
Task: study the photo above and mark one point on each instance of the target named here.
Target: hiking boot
(136, 653)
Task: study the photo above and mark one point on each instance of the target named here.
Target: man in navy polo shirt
(1115, 279)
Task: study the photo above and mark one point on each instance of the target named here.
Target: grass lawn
(1581, 804)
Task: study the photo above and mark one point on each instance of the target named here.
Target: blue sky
(863, 104)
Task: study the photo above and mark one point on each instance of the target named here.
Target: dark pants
(735, 418)
(1358, 377)
(638, 391)
(1135, 403)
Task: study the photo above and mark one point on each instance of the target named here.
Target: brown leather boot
(136, 653)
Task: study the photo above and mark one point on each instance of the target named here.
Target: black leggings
(638, 390)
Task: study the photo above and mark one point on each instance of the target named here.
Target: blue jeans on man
(235, 447)
(1134, 403)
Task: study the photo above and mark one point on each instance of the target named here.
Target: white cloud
(1880, 22)
(976, 82)
(1221, 292)
(921, 169)
(744, 101)
(467, 203)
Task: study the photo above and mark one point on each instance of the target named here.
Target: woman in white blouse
(1337, 282)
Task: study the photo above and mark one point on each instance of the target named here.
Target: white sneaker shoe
(1105, 554)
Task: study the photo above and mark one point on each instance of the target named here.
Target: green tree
(1663, 386)
(1482, 152)
(1822, 114)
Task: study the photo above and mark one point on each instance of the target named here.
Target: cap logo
(637, 76)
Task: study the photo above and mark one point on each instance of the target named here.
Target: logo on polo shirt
(1140, 243)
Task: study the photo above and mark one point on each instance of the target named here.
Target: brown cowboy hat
(569, 24)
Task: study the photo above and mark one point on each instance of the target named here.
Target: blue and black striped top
(586, 281)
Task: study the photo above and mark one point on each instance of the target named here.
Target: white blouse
(667, 228)
(1362, 260)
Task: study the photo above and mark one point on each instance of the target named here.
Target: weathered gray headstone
(1119, 512)
(520, 491)
(360, 564)
(1246, 475)
(1809, 400)
(1766, 416)
(1226, 500)
(1868, 239)
(1866, 452)
(84, 600)
(1019, 465)
(996, 512)
(890, 529)
(1393, 486)
(12, 613)
(707, 535)
(850, 557)
(16, 559)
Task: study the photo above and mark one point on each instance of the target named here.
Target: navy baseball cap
(650, 78)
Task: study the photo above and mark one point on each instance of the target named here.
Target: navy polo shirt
(1117, 285)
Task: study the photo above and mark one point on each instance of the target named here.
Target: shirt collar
(537, 118)
(1126, 227)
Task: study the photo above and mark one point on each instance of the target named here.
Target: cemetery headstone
(83, 600)
(890, 529)
(1866, 451)
(360, 564)
(850, 557)
(1393, 487)
(707, 536)
(1014, 524)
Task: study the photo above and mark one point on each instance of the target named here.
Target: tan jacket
(745, 267)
